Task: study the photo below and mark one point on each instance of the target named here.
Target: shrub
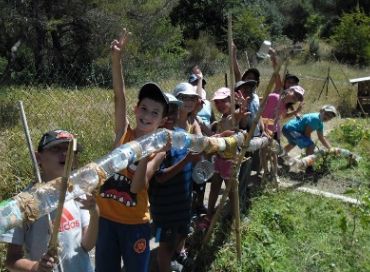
(351, 38)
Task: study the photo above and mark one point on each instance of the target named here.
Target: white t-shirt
(35, 238)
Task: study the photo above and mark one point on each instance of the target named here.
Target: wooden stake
(53, 243)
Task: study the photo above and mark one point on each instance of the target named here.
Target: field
(283, 231)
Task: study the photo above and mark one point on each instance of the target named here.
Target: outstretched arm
(323, 140)
(120, 116)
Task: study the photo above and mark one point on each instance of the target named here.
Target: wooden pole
(53, 243)
(26, 130)
(234, 180)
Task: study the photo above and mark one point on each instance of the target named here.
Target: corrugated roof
(360, 79)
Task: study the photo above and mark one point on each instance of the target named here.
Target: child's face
(292, 97)
(223, 105)
(149, 115)
(52, 160)
(189, 102)
(173, 111)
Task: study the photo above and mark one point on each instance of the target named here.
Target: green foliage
(297, 232)
(203, 51)
(351, 38)
(249, 29)
(353, 132)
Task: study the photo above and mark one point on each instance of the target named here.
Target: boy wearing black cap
(27, 245)
(124, 230)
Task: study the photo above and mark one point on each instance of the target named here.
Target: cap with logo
(56, 137)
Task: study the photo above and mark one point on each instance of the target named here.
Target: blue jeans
(116, 241)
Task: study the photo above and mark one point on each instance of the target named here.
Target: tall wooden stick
(53, 243)
(232, 77)
(26, 130)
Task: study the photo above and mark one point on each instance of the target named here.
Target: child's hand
(88, 203)
(117, 46)
(45, 264)
(300, 106)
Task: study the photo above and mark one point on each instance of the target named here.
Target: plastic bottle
(197, 143)
(180, 140)
(203, 171)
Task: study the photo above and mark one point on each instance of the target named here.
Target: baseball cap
(221, 93)
(173, 100)
(298, 90)
(240, 83)
(184, 88)
(55, 137)
(293, 77)
(152, 91)
(330, 108)
(193, 79)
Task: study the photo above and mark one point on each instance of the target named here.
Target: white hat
(330, 108)
(185, 89)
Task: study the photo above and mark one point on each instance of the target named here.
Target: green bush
(351, 38)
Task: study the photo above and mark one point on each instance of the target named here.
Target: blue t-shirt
(253, 106)
(311, 120)
(205, 113)
(170, 201)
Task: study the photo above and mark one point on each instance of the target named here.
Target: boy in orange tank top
(124, 230)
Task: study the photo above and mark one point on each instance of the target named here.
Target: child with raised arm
(28, 245)
(123, 201)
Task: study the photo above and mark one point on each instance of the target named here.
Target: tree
(352, 38)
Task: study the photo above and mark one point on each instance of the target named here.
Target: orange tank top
(116, 201)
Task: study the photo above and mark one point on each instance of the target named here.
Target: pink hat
(298, 89)
(221, 93)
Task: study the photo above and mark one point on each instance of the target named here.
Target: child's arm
(197, 129)
(145, 171)
(287, 115)
(90, 233)
(274, 61)
(121, 121)
(173, 170)
(323, 140)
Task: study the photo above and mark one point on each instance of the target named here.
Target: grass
(288, 231)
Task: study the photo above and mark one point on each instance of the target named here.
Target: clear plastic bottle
(197, 143)
(203, 171)
(10, 215)
(180, 140)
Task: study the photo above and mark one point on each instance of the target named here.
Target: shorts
(122, 241)
(168, 234)
(223, 167)
(297, 138)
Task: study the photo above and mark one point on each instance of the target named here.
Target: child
(171, 197)
(298, 131)
(186, 93)
(223, 166)
(27, 245)
(124, 230)
(204, 113)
